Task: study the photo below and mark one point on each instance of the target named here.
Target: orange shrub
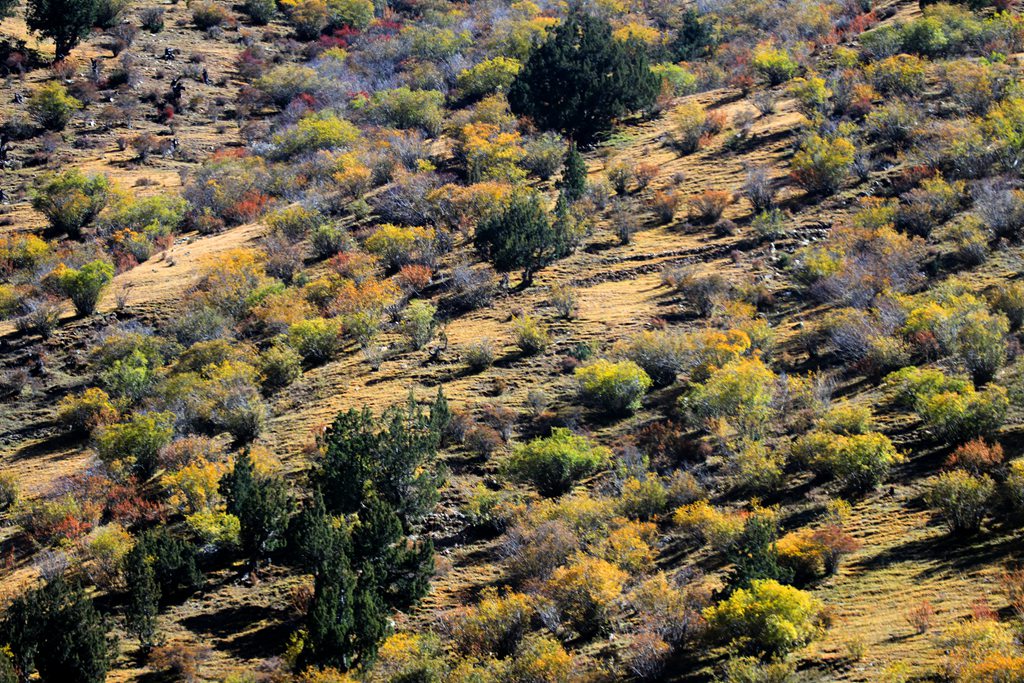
(414, 277)
(976, 457)
(664, 205)
(708, 206)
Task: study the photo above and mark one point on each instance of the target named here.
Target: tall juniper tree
(521, 237)
(263, 506)
(581, 79)
(56, 630)
(143, 596)
(353, 535)
(65, 21)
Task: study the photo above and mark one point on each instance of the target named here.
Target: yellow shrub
(584, 592)
(709, 524)
(195, 487)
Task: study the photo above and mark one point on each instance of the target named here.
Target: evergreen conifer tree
(574, 175)
(65, 21)
(581, 79)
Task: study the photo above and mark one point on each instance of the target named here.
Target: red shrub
(414, 277)
(249, 208)
(976, 457)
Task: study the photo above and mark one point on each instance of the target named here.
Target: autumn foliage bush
(611, 387)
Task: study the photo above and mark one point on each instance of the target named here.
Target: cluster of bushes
(357, 117)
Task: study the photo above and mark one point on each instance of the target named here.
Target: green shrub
(662, 354)
(1013, 487)
(740, 392)
(689, 127)
(897, 75)
(105, 551)
(912, 385)
(956, 417)
(84, 285)
(9, 489)
(295, 223)
(848, 418)
(314, 132)
(280, 365)
(260, 11)
(925, 36)
(1009, 300)
(893, 124)
(555, 463)
(643, 499)
(405, 108)
(418, 323)
(753, 670)
(545, 154)
(282, 84)
(487, 77)
(614, 388)
(133, 446)
(216, 528)
(680, 80)
(530, 335)
(961, 498)
(774, 65)
(327, 240)
(10, 302)
(860, 461)
(479, 355)
(51, 107)
(355, 14)
(154, 217)
(130, 377)
(812, 95)
(766, 618)
(70, 200)
(757, 467)
(316, 340)
(821, 165)
(110, 13)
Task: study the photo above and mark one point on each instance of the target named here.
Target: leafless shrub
(758, 190)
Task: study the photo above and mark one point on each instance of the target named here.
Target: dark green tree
(20, 632)
(396, 462)
(8, 8)
(74, 645)
(521, 237)
(574, 175)
(143, 596)
(311, 535)
(440, 416)
(65, 21)
(581, 79)
(754, 555)
(324, 550)
(173, 560)
(8, 674)
(382, 552)
(263, 506)
(695, 37)
(56, 630)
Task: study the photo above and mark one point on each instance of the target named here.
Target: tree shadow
(225, 625)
